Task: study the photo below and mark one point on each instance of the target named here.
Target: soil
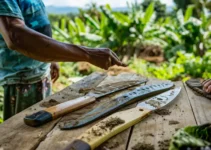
(163, 112)
(143, 146)
(154, 103)
(84, 68)
(172, 122)
(97, 131)
(109, 145)
(151, 53)
(164, 145)
(149, 134)
(113, 122)
(115, 70)
(49, 103)
(107, 125)
(112, 145)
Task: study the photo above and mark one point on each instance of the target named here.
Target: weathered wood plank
(120, 141)
(16, 135)
(201, 106)
(58, 139)
(157, 129)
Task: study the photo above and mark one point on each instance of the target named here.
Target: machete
(51, 113)
(106, 128)
(110, 106)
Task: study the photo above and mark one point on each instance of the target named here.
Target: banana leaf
(92, 21)
(192, 137)
(123, 19)
(91, 37)
(188, 12)
(180, 17)
(80, 25)
(148, 14)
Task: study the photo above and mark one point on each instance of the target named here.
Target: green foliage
(160, 8)
(189, 12)
(183, 4)
(180, 67)
(185, 40)
(192, 137)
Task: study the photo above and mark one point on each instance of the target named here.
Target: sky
(82, 3)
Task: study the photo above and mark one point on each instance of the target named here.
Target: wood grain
(69, 106)
(58, 139)
(157, 130)
(201, 106)
(15, 135)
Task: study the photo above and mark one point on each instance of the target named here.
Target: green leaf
(92, 21)
(148, 14)
(103, 22)
(107, 6)
(80, 25)
(63, 24)
(189, 12)
(180, 17)
(123, 19)
(91, 37)
(208, 5)
(72, 28)
(64, 34)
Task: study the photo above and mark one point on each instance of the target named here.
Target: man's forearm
(41, 47)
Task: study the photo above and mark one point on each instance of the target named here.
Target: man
(26, 48)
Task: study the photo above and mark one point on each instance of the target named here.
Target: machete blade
(109, 107)
(160, 100)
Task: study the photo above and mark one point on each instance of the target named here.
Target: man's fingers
(115, 55)
(206, 85)
(115, 60)
(208, 90)
(121, 63)
(56, 76)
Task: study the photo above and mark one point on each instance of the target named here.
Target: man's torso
(14, 67)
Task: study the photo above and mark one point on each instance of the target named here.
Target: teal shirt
(16, 68)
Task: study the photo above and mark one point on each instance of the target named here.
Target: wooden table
(187, 109)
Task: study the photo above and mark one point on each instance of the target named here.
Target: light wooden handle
(69, 106)
(51, 113)
(103, 130)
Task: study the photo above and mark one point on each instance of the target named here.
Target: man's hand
(104, 58)
(54, 71)
(21, 38)
(207, 86)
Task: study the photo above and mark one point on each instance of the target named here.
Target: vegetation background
(172, 45)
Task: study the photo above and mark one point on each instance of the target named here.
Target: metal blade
(110, 106)
(114, 87)
(160, 100)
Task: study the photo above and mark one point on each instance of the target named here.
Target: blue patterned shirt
(16, 68)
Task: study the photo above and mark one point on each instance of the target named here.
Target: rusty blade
(114, 87)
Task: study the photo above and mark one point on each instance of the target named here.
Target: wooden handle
(69, 106)
(54, 112)
(111, 126)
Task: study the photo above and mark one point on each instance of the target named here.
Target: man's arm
(40, 47)
(207, 85)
